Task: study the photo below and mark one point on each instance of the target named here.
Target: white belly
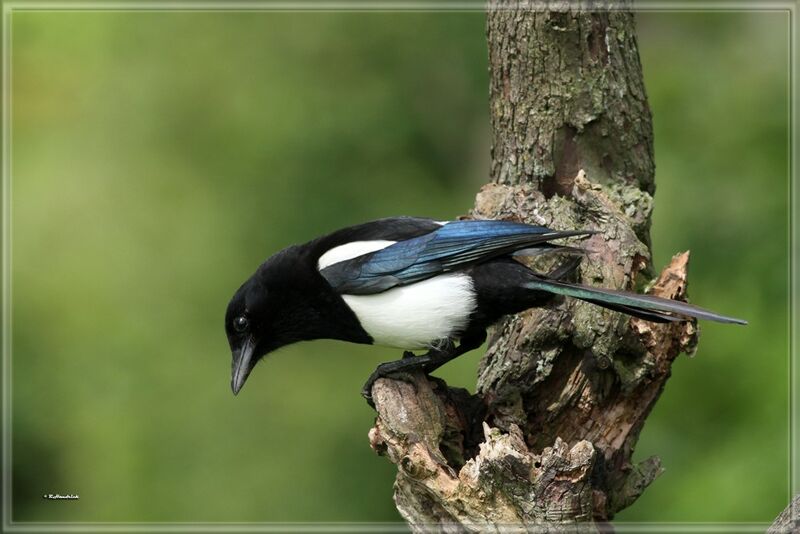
(418, 315)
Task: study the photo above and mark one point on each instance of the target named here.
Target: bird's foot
(407, 363)
(427, 363)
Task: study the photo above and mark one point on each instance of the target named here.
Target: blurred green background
(159, 157)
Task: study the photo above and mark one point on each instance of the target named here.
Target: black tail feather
(645, 307)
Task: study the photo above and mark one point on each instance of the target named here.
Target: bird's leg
(407, 363)
(428, 362)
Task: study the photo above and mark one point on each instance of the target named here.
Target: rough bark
(563, 391)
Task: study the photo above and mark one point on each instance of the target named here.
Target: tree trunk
(563, 391)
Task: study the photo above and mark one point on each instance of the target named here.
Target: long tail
(646, 307)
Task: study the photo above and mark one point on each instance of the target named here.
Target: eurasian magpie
(414, 284)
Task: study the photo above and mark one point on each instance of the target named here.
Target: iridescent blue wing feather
(454, 246)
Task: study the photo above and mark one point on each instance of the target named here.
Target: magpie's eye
(240, 323)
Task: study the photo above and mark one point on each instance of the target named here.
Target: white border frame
(8, 7)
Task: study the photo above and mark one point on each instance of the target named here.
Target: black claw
(366, 390)
(367, 394)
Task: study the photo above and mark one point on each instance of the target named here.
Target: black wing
(448, 248)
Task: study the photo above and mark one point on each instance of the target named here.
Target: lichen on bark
(563, 391)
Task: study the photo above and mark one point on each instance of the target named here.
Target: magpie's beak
(242, 364)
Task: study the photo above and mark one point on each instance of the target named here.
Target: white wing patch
(419, 315)
(349, 251)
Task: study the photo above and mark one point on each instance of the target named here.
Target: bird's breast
(416, 316)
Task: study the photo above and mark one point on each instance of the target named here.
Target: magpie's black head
(244, 328)
(267, 312)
